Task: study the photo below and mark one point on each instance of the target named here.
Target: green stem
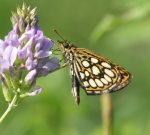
(9, 108)
(107, 113)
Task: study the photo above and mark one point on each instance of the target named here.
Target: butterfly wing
(96, 74)
(125, 78)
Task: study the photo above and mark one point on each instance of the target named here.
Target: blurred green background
(118, 30)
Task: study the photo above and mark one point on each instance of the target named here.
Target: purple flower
(25, 53)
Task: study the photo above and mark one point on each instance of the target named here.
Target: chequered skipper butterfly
(94, 73)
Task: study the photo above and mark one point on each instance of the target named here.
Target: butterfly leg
(64, 65)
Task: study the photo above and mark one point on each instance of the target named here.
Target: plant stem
(9, 108)
(107, 113)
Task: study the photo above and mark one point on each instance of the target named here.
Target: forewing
(96, 74)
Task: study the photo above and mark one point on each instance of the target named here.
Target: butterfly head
(64, 45)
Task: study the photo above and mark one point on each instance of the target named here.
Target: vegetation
(118, 30)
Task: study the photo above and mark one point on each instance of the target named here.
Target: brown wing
(96, 74)
(125, 78)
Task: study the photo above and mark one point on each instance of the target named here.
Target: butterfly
(94, 73)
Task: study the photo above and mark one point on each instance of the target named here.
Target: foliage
(127, 43)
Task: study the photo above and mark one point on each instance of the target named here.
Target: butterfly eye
(66, 45)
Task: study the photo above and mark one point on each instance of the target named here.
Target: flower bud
(30, 77)
(6, 91)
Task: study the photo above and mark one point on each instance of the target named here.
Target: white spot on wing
(92, 83)
(107, 78)
(105, 65)
(95, 70)
(82, 75)
(104, 81)
(109, 72)
(97, 92)
(99, 83)
(89, 92)
(85, 63)
(94, 60)
(87, 73)
(86, 84)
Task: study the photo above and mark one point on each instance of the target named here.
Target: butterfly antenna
(59, 35)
